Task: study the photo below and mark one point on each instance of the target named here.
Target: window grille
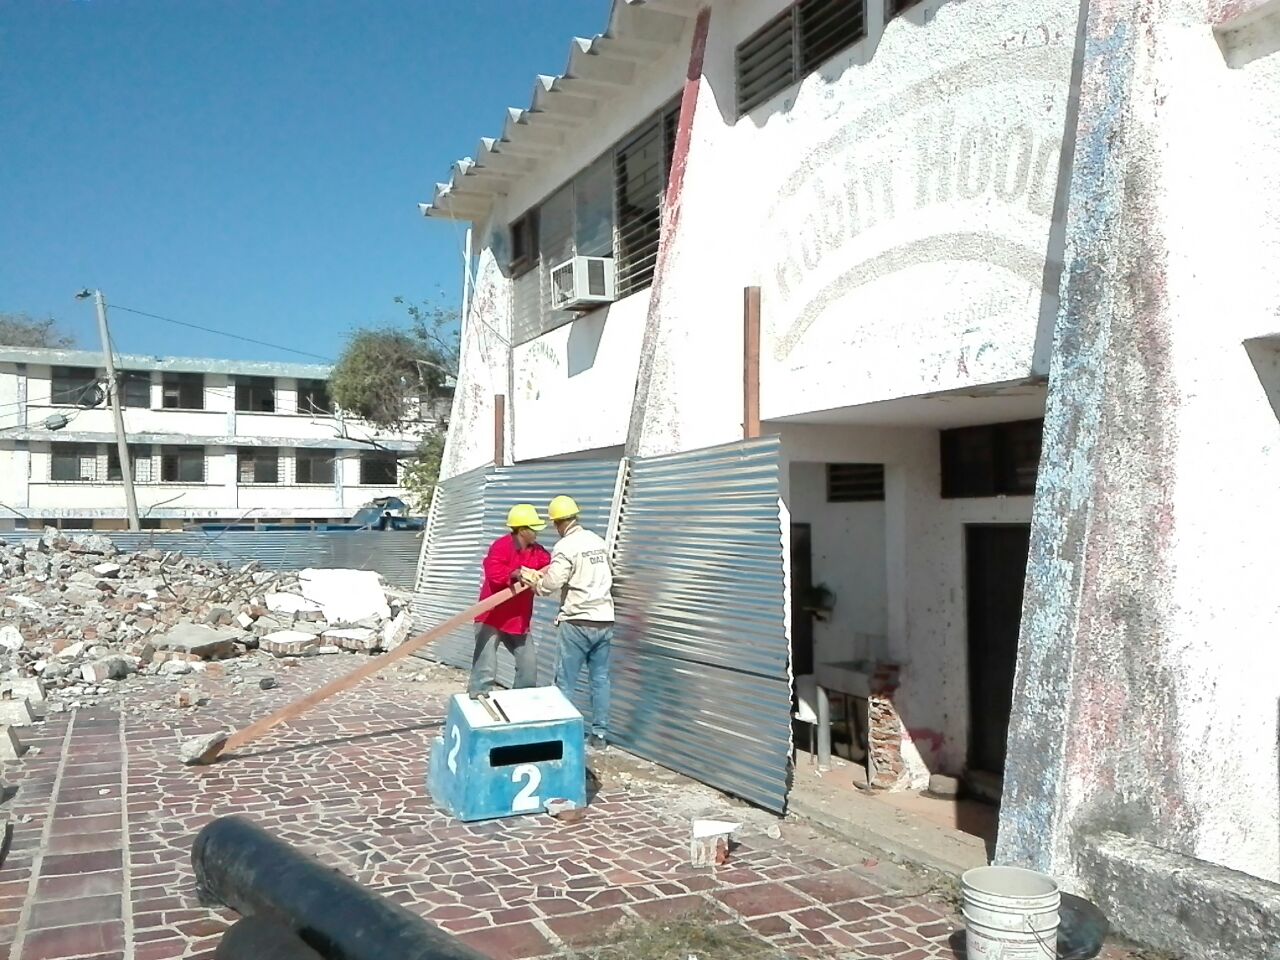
(794, 44)
(379, 471)
(73, 462)
(259, 465)
(139, 463)
(183, 391)
(992, 460)
(855, 482)
(71, 384)
(135, 388)
(256, 395)
(182, 465)
(314, 466)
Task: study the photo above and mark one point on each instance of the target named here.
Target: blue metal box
(533, 751)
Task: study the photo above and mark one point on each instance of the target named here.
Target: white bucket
(1010, 914)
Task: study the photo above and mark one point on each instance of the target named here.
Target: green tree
(401, 378)
(24, 330)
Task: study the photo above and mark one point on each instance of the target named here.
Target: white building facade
(210, 441)
(1007, 339)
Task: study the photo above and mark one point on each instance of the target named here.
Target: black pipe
(262, 938)
(245, 868)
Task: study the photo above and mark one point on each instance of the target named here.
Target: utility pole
(113, 391)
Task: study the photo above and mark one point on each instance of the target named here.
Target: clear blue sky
(249, 165)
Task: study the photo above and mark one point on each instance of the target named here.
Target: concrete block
(203, 641)
(289, 643)
(1180, 905)
(511, 762)
(353, 638)
(108, 571)
(108, 668)
(11, 638)
(396, 631)
(16, 713)
(26, 688)
(346, 596)
(11, 745)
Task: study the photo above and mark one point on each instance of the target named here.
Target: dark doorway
(996, 568)
(801, 587)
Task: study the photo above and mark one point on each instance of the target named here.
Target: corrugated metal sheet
(394, 554)
(701, 665)
(449, 576)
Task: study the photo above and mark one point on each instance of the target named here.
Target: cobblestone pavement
(99, 864)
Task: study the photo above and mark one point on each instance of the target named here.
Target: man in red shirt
(508, 623)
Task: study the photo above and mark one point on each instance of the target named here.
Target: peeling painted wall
(1149, 674)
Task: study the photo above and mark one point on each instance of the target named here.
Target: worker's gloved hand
(530, 577)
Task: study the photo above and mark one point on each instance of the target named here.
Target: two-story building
(209, 440)
(1009, 339)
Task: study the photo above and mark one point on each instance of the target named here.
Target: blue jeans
(586, 644)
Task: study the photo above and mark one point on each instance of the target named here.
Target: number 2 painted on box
(526, 799)
(456, 737)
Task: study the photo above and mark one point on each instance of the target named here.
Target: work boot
(597, 744)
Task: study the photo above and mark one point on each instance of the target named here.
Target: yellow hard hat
(525, 515)
(562, 508)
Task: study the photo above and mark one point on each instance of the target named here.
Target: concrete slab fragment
(289, 643)
(346, 596)
(203, 641)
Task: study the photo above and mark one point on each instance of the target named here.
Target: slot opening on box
(513, 754)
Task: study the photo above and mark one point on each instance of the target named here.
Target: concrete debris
(80, 621)
(199, 750)
(353, 638)
(267, 683)
(11, 745)
(16, 713)
(347, 597)
(207, 643)
(288, 643)
(291, 603)
(11, 638)
(709, 842)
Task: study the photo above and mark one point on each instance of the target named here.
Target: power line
(221, 333)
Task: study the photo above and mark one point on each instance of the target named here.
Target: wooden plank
(297, 708)
(751, 363)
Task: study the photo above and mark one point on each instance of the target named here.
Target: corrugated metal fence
(701, 665)
(468, 513)
(393, 553)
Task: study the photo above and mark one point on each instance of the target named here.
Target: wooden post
(751, 363)
(499, 428)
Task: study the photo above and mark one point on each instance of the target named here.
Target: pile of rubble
(78, 618)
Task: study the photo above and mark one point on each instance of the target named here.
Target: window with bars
(258, 465)
(992, 460)
(893, 8)
(794, 44)
(135, 388)
(183, 391)
(313, 397)
(314, 466)
(139, 463)
(378, 470)
(642, 166)
(73, 462)
(855, 482)
(256, 395)
(612, 208)
(71, 384)
(182, 464)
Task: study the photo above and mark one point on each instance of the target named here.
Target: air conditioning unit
(583, 283)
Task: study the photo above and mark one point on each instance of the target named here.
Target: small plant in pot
(818, 601)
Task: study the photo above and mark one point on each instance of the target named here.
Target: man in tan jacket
(580, 574)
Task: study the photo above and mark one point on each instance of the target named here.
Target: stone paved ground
(99, 864)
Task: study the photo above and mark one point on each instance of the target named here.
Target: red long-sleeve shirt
(504, 560)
